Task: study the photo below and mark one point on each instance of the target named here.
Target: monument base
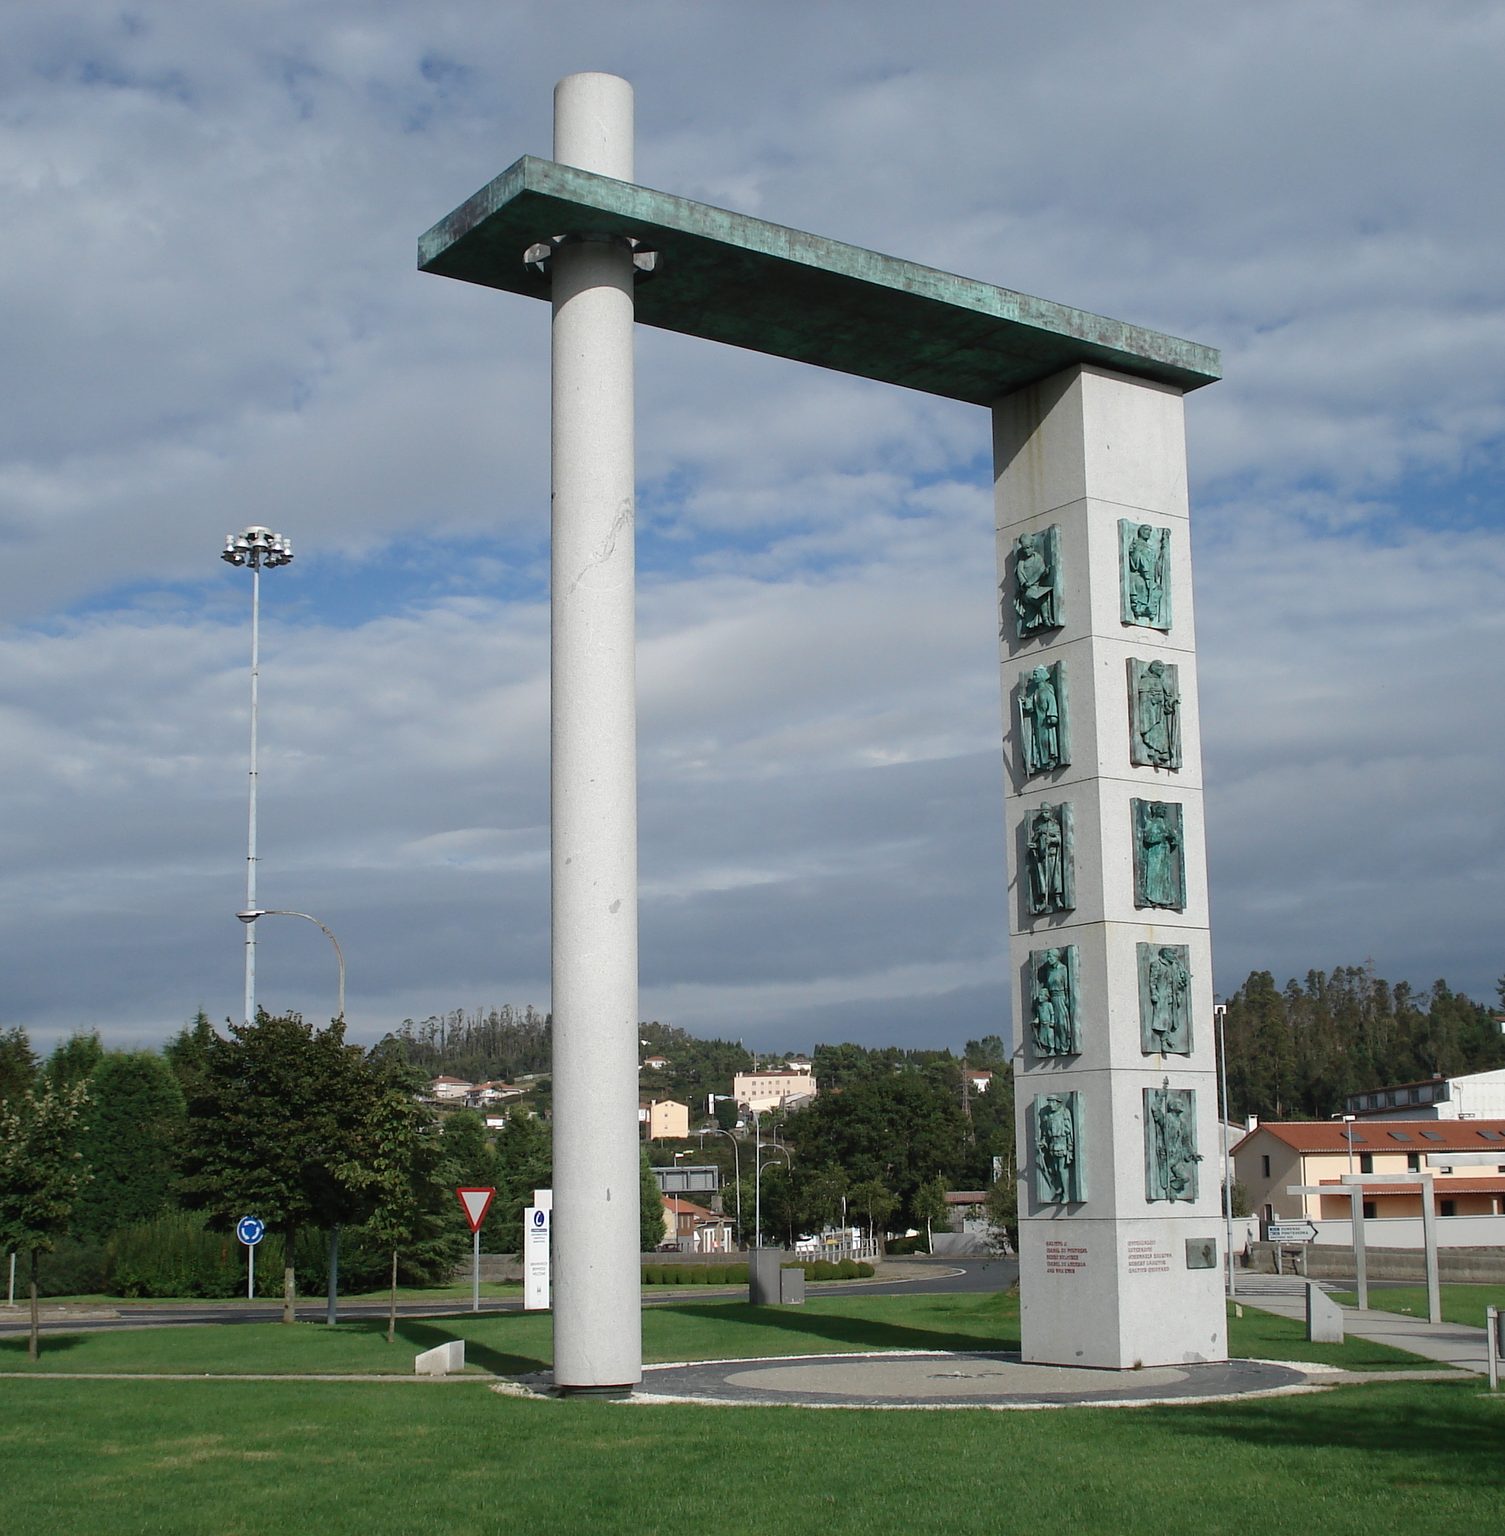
(1121, 1295)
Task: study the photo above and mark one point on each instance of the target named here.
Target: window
(1366, 1162)
(1400, 1135)
(1264, 1167)
(1491, 1136)
(1368, 1210)
(1432, 1136)
(1413, 1162)
(1448, 1207)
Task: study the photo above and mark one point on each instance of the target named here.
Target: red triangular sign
(476, 1202)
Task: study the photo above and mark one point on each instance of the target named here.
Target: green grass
(513, 1343)
(390, 1459)
(1461, 1304)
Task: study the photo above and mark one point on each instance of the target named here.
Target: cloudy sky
(212, 317)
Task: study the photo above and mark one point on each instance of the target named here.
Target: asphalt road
(900, 1277)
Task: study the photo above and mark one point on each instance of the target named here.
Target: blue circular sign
(540, 1218)
(250, 1230)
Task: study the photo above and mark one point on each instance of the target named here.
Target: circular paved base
(953, 1381)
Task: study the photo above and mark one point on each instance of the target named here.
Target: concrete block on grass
(441, 1360)
(1324, 1317)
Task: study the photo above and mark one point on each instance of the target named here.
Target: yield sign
(476, 1203)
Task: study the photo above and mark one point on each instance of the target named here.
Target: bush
(74, 1268)
(908, 1245)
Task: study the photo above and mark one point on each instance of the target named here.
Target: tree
(929, 1206)
(524, 1163)
(74, 1059)
(397, 1162)
(650, 1206)
(874, 1200)
(272, 1128)
(131, 1143)
(18, 1065)
(1003, 1208)
(41, 1173)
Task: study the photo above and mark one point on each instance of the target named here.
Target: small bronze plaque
(1201, 1253)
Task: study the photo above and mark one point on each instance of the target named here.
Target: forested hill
(1298, 1053)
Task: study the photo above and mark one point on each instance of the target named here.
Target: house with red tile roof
(1466, 1159)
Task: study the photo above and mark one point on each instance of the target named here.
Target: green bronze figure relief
(1170, 1143)
(1154, 714)
(1059, 1176)
(1053, 1017)
(1164, 999)
(1037, 582)
(1159, 855)
(1144, 565)
(1044, 730)
(1050, 885)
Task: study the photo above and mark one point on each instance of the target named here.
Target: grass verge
(513, 1343)
(383, 1459)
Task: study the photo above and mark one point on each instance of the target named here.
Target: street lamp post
(715, 1130)
(248, 917)
(1220, 1025)
(257, 549)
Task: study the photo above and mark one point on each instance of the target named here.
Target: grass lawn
(396, 1459)
(511, 1343)
(1461, 1304)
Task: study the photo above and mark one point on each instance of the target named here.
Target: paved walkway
(1448, 1343)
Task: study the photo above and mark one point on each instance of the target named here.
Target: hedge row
(736, 1274)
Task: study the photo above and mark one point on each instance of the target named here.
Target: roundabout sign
(250, 1230)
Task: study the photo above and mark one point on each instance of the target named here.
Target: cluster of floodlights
(259, 548)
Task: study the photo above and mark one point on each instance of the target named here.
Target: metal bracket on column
(538, 258)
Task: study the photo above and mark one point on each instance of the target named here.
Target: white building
(762, 1091)
(1470, 1096)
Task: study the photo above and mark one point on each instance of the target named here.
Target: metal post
(593, 773)
(255, 547)
(331, 1309)
(1220, 1026)
(757, 1183)
(10, 1295)
(1356, 1222)
(1429, 1243)
(1492, 1345)
(475, 1270)
(250, 1271)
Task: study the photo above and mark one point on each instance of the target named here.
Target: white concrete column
(597, 1311)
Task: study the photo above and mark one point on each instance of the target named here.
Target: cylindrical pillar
(597, 1316)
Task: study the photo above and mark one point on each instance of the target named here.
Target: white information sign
(536, 1257)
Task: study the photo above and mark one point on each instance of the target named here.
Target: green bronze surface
(731, 278)
(1159, 855)
(1170, 1143)
(1044, 719)
(1055, 1018)
(1165, 1023)
(1144, 568)
(1060, 1177)
(1049, 860)
(1154, 713)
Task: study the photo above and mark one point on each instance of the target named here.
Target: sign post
(250, 1230)
(475, 1202)
(1291, 1231)
(537, 1220)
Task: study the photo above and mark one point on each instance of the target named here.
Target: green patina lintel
(739, 280)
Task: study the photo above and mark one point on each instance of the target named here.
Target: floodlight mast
(255, 549)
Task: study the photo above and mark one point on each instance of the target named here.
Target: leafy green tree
(131, 1143)
(524, 1163)
(650, 1206)
(1003, 1208)
(397, 1163)
(41, 1173)
(873, 1200)
(188, 1052)
(18, 1065)
(73, 1060)
(272, 1128)
(929, 1206)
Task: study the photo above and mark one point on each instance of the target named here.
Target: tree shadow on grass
(856, 1332)
(1432, 1434)
(13, 1347)
(428, 1335)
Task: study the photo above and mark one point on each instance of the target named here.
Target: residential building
(978, 1079)
(1466, 1159)
(654, 1063)
(451, 1089)
(664, 1119)
(694, 1229)
(1469, 1096)
(762, 1091)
